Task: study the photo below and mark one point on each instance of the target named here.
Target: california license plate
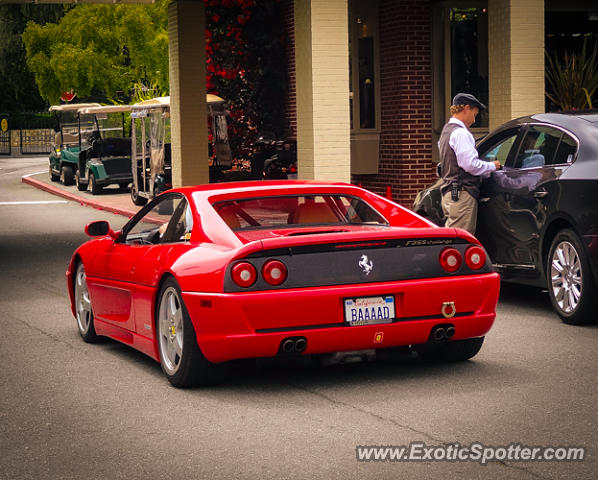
(369, 310)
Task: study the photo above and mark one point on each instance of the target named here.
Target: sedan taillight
(475, 257)
(450, 260)
(244, 274)
(274, 272)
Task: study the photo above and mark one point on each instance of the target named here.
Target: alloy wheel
(82, 301)
(566, 276)
(171, 330)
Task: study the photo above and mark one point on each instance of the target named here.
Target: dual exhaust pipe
(442, 332)
(293, 345)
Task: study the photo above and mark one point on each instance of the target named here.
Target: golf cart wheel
(53, 176)
(94, 188)
(67, 176)
(136, 198)
(80, 186)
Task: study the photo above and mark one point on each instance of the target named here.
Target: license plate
(369, 310)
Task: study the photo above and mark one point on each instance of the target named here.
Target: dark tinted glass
(539, 147)
(566, 150)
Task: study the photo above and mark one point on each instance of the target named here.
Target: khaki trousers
(460, 214)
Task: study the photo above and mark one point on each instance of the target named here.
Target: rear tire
(80, 186)
(571, 287)
(66, 175)
(94, 188)
(455, 351)
(136, 198)
(53, 176)
(180, 356)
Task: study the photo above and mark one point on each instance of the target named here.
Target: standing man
(462, 170)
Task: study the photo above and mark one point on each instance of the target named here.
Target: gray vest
(451, 171)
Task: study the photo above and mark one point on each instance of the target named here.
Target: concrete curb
(75, 198)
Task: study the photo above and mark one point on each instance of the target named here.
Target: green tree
(19, 91)
(100, 51)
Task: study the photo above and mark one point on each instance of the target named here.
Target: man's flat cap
(467, 99)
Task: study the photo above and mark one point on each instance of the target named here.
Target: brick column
(322, 86)
(188, 110)
(516, 59)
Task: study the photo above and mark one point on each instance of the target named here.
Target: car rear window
(297, 210)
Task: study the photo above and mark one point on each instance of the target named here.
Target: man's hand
(497, 164)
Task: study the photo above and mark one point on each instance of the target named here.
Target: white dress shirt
(463, 144)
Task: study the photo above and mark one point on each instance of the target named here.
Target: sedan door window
(500, 151)
(543, 146)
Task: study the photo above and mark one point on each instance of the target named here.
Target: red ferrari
(203, 275)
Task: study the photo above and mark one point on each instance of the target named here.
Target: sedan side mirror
(99, 229)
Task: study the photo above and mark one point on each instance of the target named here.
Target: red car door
(126, 273)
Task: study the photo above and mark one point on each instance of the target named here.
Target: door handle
(540, 193)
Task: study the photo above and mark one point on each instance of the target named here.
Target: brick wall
(288, 13)
(406, 96)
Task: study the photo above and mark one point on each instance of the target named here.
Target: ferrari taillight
(244, 274)
(274, 272)
(450, 260)
(475, 257)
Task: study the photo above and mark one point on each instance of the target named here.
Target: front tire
(180, 356)
(83, 311)
(569, 279)
(94, 188)
(455, 351)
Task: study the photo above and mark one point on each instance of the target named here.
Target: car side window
(166, 221)
(541, 147)
(500, 151)
(566, 150)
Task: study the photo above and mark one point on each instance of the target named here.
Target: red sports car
(203, 275)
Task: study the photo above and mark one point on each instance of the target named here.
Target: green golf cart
(70, 141)
(108, 158)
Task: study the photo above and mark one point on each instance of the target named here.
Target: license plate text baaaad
(369, 310)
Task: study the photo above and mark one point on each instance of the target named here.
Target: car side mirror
(99, 229)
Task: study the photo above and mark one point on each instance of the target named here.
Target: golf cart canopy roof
(71, 107)
(161, 102)
(106, 109)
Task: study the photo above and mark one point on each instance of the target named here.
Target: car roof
(583, 124)
(261, 187)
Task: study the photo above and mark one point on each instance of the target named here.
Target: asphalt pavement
(70, 410)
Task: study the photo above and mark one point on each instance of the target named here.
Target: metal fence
(27, 133)
(5, 143)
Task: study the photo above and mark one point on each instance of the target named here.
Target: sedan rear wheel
(570, 284)
(180, 356)
(83, 309)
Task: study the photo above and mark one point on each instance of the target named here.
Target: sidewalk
(110, 200)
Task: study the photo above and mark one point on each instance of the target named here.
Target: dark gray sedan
(538, 216)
